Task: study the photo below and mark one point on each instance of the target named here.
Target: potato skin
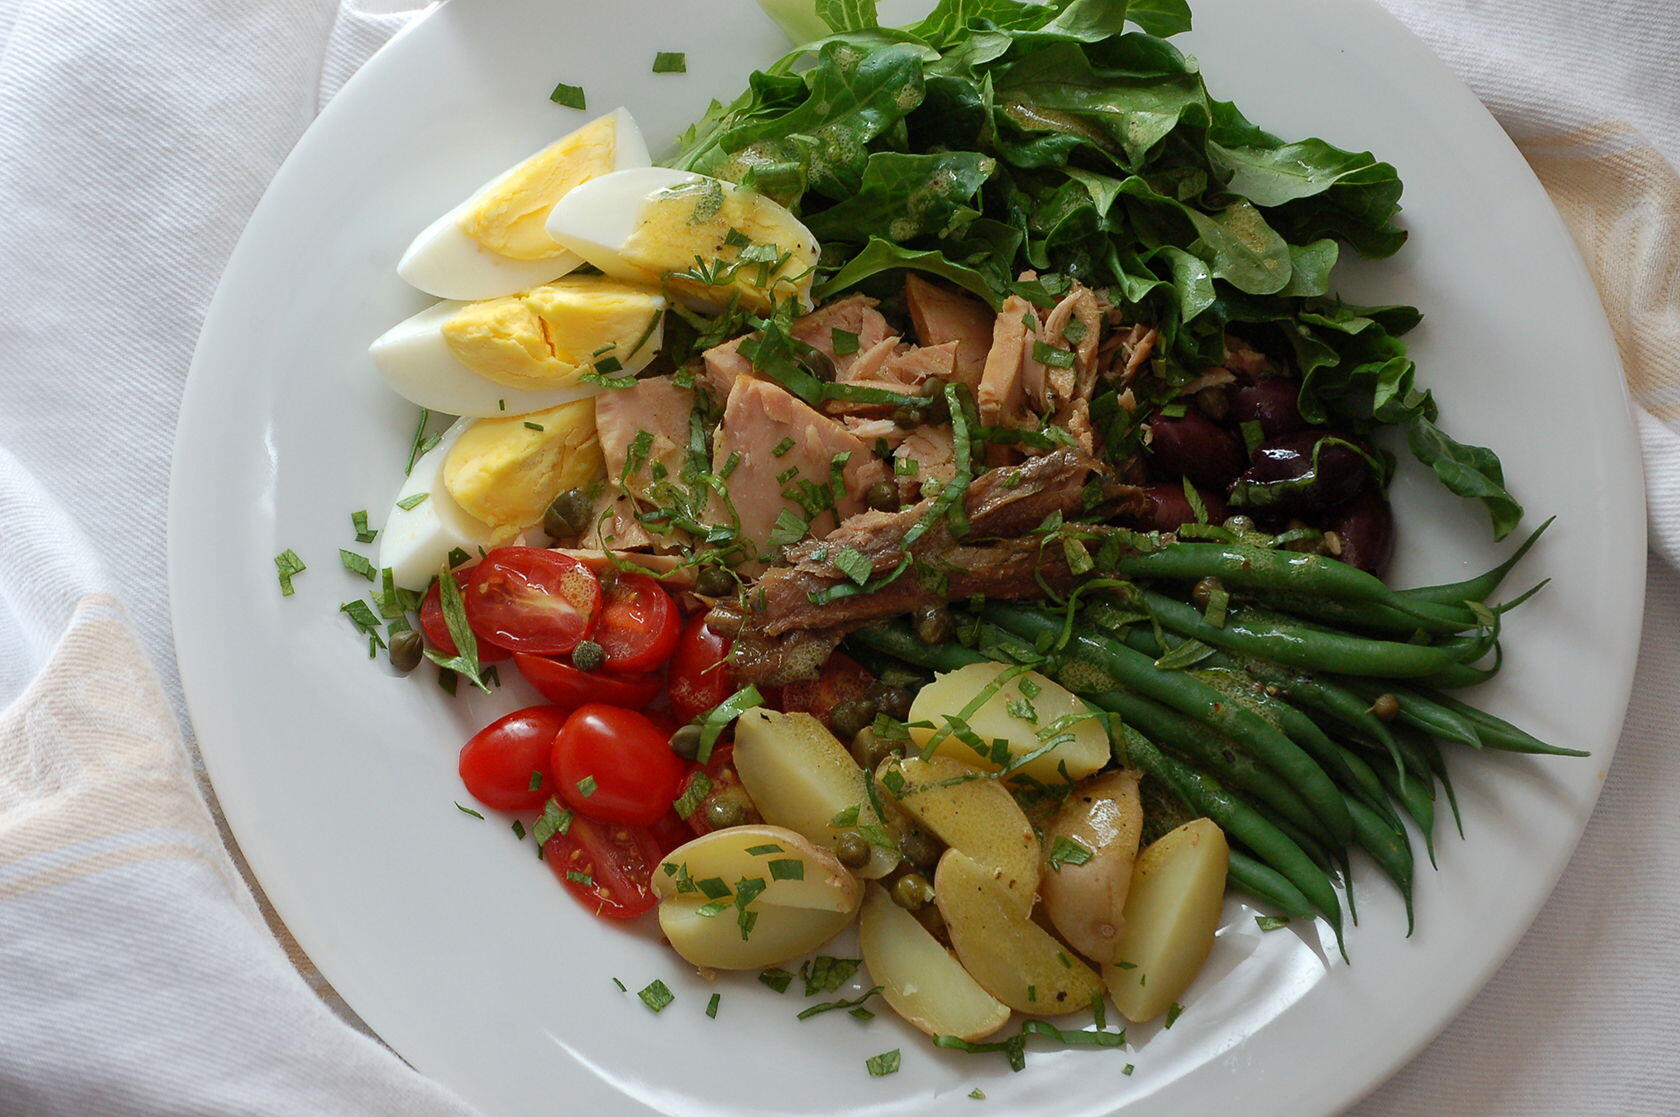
(1086, 902)
(977, 816)
(1084, 751)
(919, 978)
(1176, 902)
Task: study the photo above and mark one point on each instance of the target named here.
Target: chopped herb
(533, 426)
(713, 887)
(670, 62)
(1128, 1069)
(288, 566)
(571, 96)
(883, 1064)
(746, 891)
(412, 501)
(1271, 922)
(1099, 1012)
(501, 405)
(787, 868)
(457, 557)
(622, 988)
(777, 979)
(417, 444)
(518, 829)
(781, 447)
(1174, 1013)
(469, 810)
(1126, 965)
(358, 520)
(465, 660)
(1074, 332)
(554, 820)
(608, 365)
(586, 786)
(1022, 710)
(906, 467)
(447, 681)
(1046, 354)
(712, 1005)
(786, 531)
(826, 973)
(536, 781)
(977, 1094)
(356, 564)
(657, 995)
(853, 564)
(760, 851)
(735, 238)
(714, 908)
(847, 817)
(720, 716)
(1032, 992)
(580, 878)
(361, 616)
(1067, 851)
(693, 795)
(843, 341)
(855, 1006)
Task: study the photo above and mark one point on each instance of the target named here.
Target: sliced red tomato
(722, 782)
(670, 832)
(528, 599)
(614, 765)
(437, 630)
(699, 674)
(639, 624)
(566, 685)
(843, 679)
(608, 867)
(503, 760)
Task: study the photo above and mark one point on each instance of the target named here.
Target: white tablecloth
(135, 138)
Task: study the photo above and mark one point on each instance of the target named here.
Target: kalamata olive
(1195, 446)
(1288, 477)
(1366, 527)
(1168, 508)
(1269, 401)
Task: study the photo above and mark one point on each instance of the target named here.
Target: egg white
(444, 261)
(415, 542)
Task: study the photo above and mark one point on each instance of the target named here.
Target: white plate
(458, 947)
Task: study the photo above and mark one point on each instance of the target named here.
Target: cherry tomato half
(639, 624)
(670, 832)
(498, 763)
(437, 630)
(608, 867)
(528, 599)
(843, 679)
(699, 673)
(614, 765)
(566, 685)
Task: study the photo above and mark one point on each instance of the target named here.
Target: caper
(1386, 707)
(869, 749)
(894, 701)
(589, 656)
(567, 514)
(1203, 591)
(933, 624)
(816, 362)
(725, 621)
(723, 812)
(851, 849)
(1241, 525)
(909, 417)
(714, 581)
(882, 496)
(685, 742)
(936, 410)
(406, 650)
(1213, 403)
(912, 891)
(851, 717)
(920, 848)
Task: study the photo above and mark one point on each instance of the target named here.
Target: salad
(943, 496)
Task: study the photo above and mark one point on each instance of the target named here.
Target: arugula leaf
(907, 195)
(847, 15)
(1469, 471)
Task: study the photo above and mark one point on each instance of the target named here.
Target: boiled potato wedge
(1026, 712)
(975, 815)
(1010, 956)
(918, 976)
(801, 777)
(800, 897)
(1177, 896)
(1089, 850)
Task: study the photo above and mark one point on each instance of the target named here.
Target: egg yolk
(508, 216)
(754, 246)
(549, 336)
(506, 472)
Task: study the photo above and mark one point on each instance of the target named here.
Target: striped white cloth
(137, 972)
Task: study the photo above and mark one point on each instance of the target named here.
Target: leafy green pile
(996, 136)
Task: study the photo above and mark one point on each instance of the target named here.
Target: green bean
(1216, 754)
(1267, 884)
(895, 638)
(1497, 733)
(1297, 645)
(1387, 848)
(1479, 588)
(1188, 695)
(1417, 795)
(1238, 564)
(1367, 615)
(1242, 822)
(1438, 765)
(1419, 711)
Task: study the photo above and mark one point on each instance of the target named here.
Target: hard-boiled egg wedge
(708, 239)
(494, 243)
(425, 523)
(483, 483)
(523, 352)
